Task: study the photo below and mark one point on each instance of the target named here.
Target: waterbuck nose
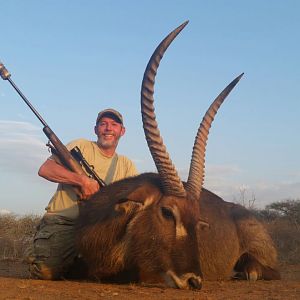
(195, 283)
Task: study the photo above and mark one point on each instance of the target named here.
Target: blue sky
(74, 58)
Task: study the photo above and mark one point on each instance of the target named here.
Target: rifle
(73, 159)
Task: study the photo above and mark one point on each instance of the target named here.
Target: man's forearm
(55, 172)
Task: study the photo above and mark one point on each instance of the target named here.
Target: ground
(14, 284)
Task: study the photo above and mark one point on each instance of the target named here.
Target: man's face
(108, 132)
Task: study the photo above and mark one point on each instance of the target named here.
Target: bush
(16, 234)
(287, 240)
(282, 220)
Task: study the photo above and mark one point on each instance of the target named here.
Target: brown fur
(234, 241)
(122, 233)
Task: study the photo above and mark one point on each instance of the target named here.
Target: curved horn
(196, 173)
(171, 182)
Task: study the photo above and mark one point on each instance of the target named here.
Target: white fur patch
(180, 229)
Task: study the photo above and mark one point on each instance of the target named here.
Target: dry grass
(282, 219)
(286, 237)
(16, 234)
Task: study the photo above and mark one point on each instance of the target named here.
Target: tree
(289, 209)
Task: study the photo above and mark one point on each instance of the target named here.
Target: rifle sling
(111, 171)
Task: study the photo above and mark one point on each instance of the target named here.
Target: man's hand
(88, 187)
(84, 186)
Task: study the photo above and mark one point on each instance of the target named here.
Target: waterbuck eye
(167, 213)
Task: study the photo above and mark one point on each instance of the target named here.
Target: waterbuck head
(146, 227)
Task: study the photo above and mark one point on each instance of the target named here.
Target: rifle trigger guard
(50, 147)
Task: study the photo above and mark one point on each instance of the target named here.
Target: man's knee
(44, 266)
(39, 270)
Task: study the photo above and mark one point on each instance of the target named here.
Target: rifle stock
(62, 152)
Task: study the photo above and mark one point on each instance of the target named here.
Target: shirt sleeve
(131, 171)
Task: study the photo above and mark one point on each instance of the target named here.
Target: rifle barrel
(6, 76)
(27, 102)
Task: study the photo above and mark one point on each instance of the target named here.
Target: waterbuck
(156, 228)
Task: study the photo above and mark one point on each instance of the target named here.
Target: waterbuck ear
(146, 194)
(203, 224)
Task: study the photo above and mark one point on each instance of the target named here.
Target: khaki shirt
(64, 201)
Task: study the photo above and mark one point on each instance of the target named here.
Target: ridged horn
(196, 172)
(171, 182)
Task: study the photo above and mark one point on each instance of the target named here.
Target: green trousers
(53, 252)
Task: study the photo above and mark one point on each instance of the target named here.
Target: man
(53, 252)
